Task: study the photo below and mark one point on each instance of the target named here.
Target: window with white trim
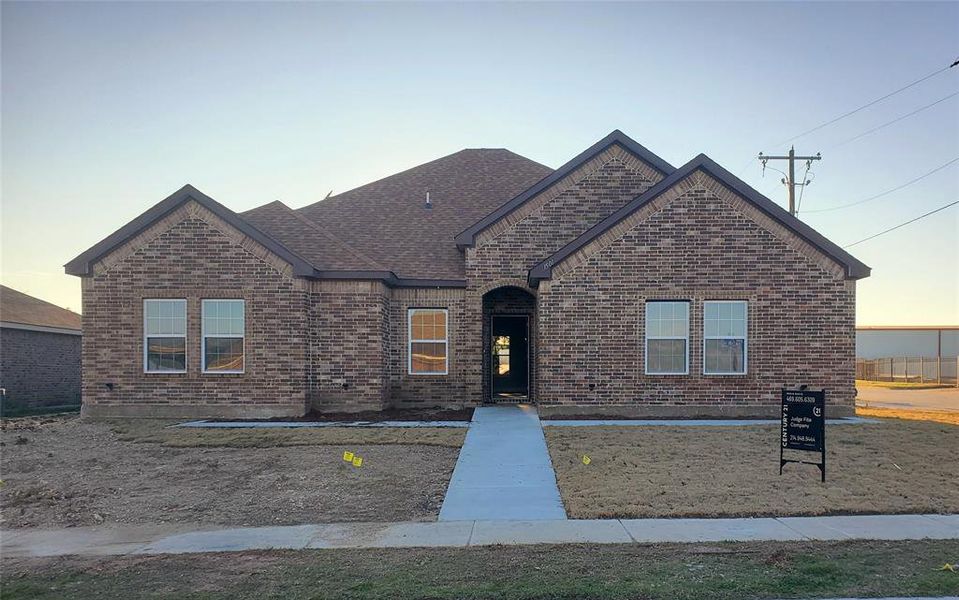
(428, 353)
(667, 337)
(164, 336)
(724, 337)
(223, 325)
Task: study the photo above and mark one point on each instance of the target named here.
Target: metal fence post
(922, 370)
(939, 369)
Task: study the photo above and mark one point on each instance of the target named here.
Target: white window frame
(744, 338)
(204, 335)
(656, 337)
(147, 336)
(410, 340)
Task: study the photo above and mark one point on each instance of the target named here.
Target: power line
(896, 120)
(903, 224)
(868, 104)
(887, 192)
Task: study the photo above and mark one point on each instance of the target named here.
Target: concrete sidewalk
(503, 470)
(104, 541)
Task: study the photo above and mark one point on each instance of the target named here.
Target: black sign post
(803, 426)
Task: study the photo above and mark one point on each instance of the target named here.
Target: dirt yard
(65, 472)
(889, 467)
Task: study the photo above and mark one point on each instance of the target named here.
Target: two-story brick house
(616, 283)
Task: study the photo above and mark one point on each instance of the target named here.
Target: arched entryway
(509, 336)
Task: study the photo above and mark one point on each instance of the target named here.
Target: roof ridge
(853, 267)
(413, 168)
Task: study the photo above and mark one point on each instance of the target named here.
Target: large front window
(667, 338)
(164, 336)
(428, 341)
(223, 334)
(724, 337)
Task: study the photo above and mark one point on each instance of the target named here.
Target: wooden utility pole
(790, 180)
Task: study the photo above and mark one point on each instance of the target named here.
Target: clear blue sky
(107, 108)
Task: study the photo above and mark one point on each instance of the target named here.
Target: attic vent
(428, 203)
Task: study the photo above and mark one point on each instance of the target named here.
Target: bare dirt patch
(950, 418)
(889, 467)
(189, 437)
(65, 471)
(377, 416)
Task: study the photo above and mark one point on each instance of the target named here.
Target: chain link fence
(909, 369)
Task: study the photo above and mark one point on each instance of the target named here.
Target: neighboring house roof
(467, 237)
(20, 309)
(854, 269)
(83, 264)
(387, 220)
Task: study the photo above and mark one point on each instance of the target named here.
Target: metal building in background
(908, 353)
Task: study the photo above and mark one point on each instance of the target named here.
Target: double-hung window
(667, 338)
(428, 354)
(724, 337)
(164, 336)
(223, 333)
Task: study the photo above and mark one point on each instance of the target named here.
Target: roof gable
(20, 308)
(467, 237)
(83, 264)
(853, 268)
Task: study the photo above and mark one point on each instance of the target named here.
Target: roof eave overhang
(853, 268)
(389, 278)
(82, 265)
(467, 238)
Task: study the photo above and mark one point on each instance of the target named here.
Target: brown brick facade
(349, 349)
(192, 255)
(696, 247)
(39, 369)
(336, 341)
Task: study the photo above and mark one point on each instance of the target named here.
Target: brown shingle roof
(387, 220)
(308, 239)
(17, 307)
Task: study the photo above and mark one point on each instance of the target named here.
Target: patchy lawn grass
(888, 467)
(657, 572)
(65, 471)
(938, 416)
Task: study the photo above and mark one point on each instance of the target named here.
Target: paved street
(936, 399)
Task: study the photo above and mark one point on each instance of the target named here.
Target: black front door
(509, 362)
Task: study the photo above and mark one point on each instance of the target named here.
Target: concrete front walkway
(504, 470)
(103, 540)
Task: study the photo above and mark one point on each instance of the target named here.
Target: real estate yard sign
(803, 426)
